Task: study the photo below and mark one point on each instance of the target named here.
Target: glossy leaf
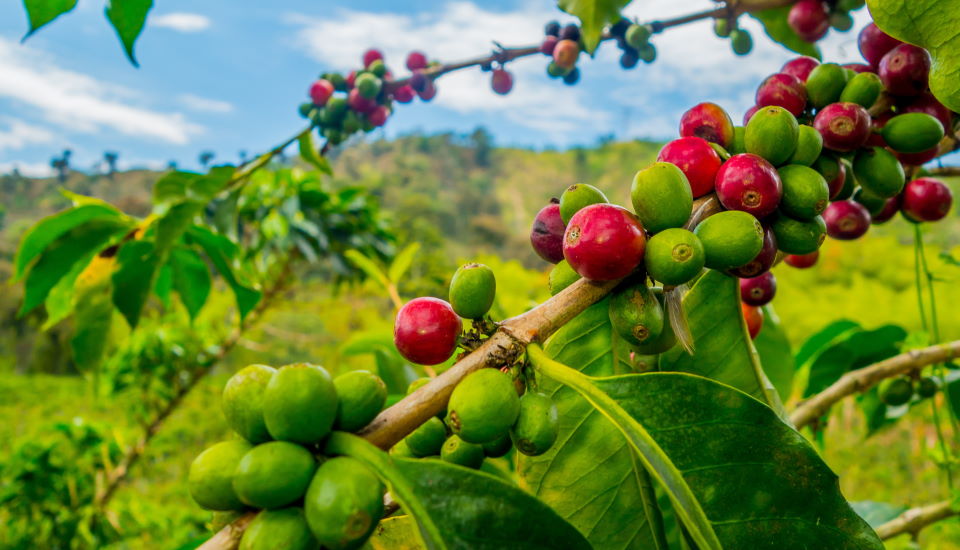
(599, 501)
(594, 15)
(41, 12)
(163, 285)
(754, 477)
(191, 279)
(458, 508)
(93, 315)
(821, 339)
(723, 350)
(309, 153)
(128, 18)
(931, 24)
(222, 252)
(773, 347)
(774, 21)
(174, 222)
(857, 349)
(137, 265)
(402, 262)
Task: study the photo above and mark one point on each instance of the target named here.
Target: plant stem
(915, 519)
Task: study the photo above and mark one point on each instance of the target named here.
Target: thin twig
(915, 519)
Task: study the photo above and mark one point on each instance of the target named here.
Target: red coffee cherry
(890, 208)
(370, 56)
(809, 19)
(799, 67)
(846, 220)
(426, 331)
(844, 126)
(763, 261)
(546, 235)
(708, 121)
(754, 319)
(802, 261)
(416, 60)
(926, 200)
(320, 92)
(501, 81)
(905, 70)
(783, 90)
(874, 43)
(604, 242)
(696, 159)
(749, 183)
(759, 290)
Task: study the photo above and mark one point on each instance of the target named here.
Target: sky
(227, 76)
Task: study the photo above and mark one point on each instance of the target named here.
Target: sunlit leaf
(402, 262)
(93, 315)
(137, 265)
(309, 153)
(191, 279)
(41, 12)
(594, 15)
(128, 18)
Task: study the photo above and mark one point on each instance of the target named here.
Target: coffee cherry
(926, 200)
(572, 77)
(619, 29)
(927, 103)
(419, 81)
(368, 85)
(874, 43)
(879, 172)
(211, 475)
(577, 197)
(426, 331)
(637, 36)
(360, 397)
(917, 159)
(635, 314)
(825, 84)
(648, 53)
(561, 276)
(896, 391)
(404, 94)
(300, 403)
(378, 117)
(846, 220)
(548, 45)
(809, 146)
(604, 242)
(285, 528)
(863, 89)
(546, 235)
(749, 114)
(763, 261)
(498, 447)
(629, 59)
(370, 56)
(428, 438)
(459, 452)
(741, 41)
(890, 208)
(833, 171)
(360, 104)
(753, 318)
(501, 81)
(809, 19)
(772, 133)
(344, 503)
(661, 197)
(749, 183)
(472, 290)
(416, 60)
(927, 387)
(805, 192)
(565, 53)
(674, 256)
(759, 290)
(730, 239)
(698, 161)
(667, 337)
(274, 474)
(799, 67)
(913, 132)
(708, 121)
(858, 67)
(802, 261)
(570, 32)
(483, 406)
(429, 91)
(320, 92)
(721, 27)
(243, 402)
(905, 70)
(798, 236)
(844, 126)
(783, 90)
(537, 426)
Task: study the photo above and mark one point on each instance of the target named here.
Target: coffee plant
(642, 406)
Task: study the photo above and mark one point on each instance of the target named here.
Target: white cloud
(80, 102)
(204, 104)
(181, 22)
(29, 169)
(20, 134)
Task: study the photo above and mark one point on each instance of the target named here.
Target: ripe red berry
(426, 331)
(809, 19)
(749, 183)
(320, 92)
(759, 290)
(404, 94)
(754, 319)
(418, 81)
(926, 200)
(546, 235)
(876, 125)
(429, 91)
(846, 220)
(905, 70)
(858, 67)
(416, 60)
(565, 53)
(378, 116)
(917, 159)
(890, 208)
(763, 261)
(548, 44)
(844, 126)
(749, 114)
(802, 261)
(708, 121)
(359, 103)
(783, 90)
(603, 242)
(874, 43)
(351, 79)
(370, 56)
(501, 81)
(696, 159)
(800, 67)
(927, 103)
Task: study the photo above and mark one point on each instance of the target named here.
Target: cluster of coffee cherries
(282, 417)
(562, 45)
(811, 19)
(363, 100)
(899, 391)
(633, 39)
(491, 410)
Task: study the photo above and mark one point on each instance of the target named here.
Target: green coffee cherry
(647, 53)
(483, 406)
(772, 133)
(638, 35)
(661, 197)
(273, 475)
(498, 447)
(378, 68)
(841, 20)
(344, 503)
(300, 403)
(578, 196)
(402, 450)
(211, 475)
(809, 146)
(721, 27)
(636, 314)
(863, 89)
(896, 391)
(730, 239)
(458, 451)
(368, 85)
(871, 202)
(361, 397)
(472, 290)
(912, 132)
(243, 402)
(796, 236)
(927, 387)
(805, 192)
(561, 276)
(557, 71)
(674, 257)
(427, 439)
(878, 171)
(271, 529)
(739, 140)
(537, 425)
(667, 338)
(849, 183)
(740, 41)
(825, 84)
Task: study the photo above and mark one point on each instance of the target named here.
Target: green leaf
(723, 350)
(594, 15)
(368, 266)
(163, 286)
(191, 279)
(393, 370)
(128, 18)
(774, 21)
(402, 262)
(41, 12)
(756, 479)
(93, 317)
(458, 508)
(77, 245)
(51, 228)
(821, 339)
(59, 301)
(931, 24)
(602, 502)
(177, 186)
(309, 153)
(857, 349)
(222, 252)
(172, 224)
(137, 265)
(773, 347)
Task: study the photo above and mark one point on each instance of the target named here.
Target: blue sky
(228, 76)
